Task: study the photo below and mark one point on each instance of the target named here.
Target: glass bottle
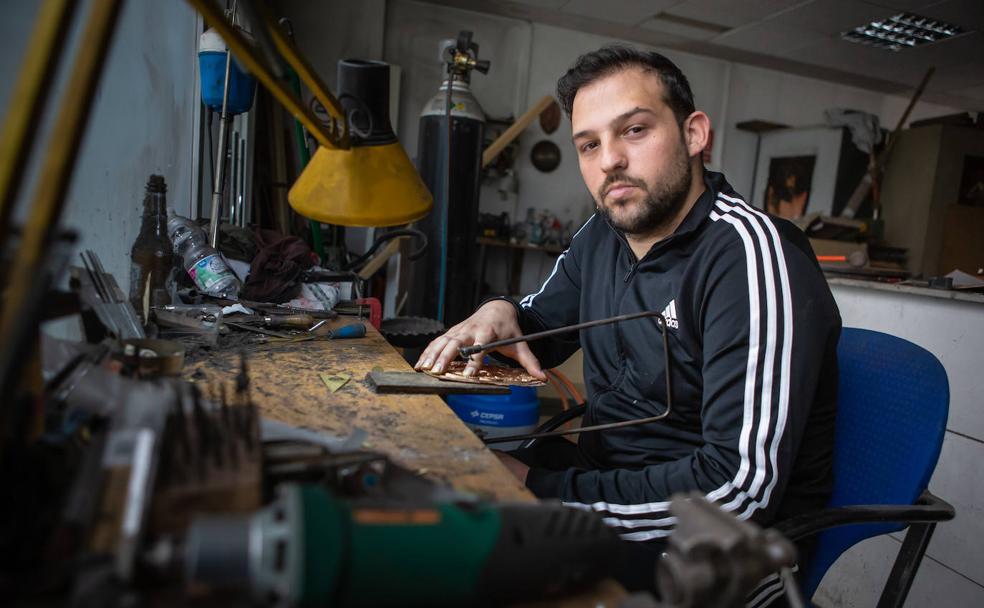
(151, 257)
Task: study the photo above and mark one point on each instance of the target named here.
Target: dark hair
(610, 59)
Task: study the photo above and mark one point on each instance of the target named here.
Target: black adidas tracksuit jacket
(753, 334)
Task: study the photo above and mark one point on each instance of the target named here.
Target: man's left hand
(516, 467)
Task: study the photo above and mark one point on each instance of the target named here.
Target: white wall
(141, 121)
(728, 92)
(952, 573)
(757, 93)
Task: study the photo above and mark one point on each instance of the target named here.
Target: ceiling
(797, 36)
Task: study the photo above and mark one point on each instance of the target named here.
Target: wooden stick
(381, 258)
(877, 165)
(515, 129)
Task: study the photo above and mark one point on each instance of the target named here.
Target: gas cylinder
(444, 281)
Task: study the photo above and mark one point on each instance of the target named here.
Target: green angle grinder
(309, 547)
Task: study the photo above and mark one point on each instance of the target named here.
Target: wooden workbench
(417, 431)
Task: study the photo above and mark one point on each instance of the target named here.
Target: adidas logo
(670, 316)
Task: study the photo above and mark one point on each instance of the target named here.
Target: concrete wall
(141, 121)
(952, 573)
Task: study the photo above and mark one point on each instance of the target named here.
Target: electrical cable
(555, 383)
(571, 389)
(415, 255)
(661, 322)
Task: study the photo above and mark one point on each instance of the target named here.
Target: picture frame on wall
(796, 171)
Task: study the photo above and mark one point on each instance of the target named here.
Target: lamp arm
(249, 56)
(312, 81)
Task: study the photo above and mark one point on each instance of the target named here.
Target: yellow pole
(247, 54)
(27, 100)
(56, 173)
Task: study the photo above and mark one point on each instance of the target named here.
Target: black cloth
(275, 272)
(753, 332)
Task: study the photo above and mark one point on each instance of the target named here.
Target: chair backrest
(893, 399)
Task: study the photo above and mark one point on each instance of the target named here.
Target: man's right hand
(495, 320)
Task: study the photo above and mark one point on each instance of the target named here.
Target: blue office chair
(892, 407)
(893, 399)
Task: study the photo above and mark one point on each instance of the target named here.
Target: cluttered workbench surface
(293, 382)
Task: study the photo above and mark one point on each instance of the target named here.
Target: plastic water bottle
(206, 266)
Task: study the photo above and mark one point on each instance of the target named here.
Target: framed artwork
(796, 171)
(972, 182)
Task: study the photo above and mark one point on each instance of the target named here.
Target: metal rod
(467, 351)
(302, 148)
(611, 425)
(220, 158)
(583, 429)
(241, 197)
(92, 276)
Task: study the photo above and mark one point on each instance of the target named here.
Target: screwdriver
(291, 321)
(352, 330)
(295, 321)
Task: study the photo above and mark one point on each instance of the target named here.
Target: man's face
(631, 151)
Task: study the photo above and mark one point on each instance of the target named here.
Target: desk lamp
(360, 175)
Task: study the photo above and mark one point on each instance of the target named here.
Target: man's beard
(661, 203)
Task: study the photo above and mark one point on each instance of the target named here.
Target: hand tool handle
(353, 330)
(294, 321)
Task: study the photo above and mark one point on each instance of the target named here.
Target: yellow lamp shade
(362, 186)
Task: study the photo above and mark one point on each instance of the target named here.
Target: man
(752, 325)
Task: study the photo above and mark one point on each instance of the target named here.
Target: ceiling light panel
(902, 31)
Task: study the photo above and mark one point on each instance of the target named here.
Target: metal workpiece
(220, 158)
(110, 304)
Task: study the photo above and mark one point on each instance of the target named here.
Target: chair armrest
(928, 508)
